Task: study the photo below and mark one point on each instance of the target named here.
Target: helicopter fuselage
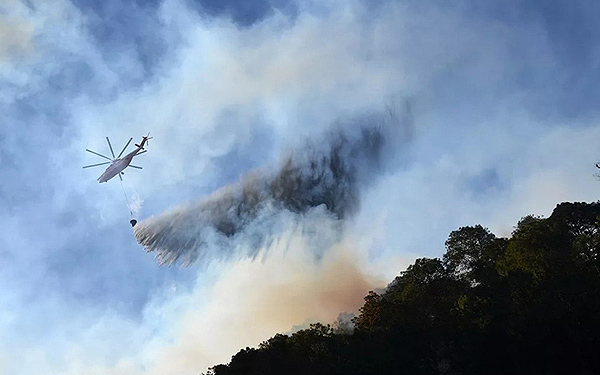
(117, 166)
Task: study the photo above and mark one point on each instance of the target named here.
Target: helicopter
(118, 164)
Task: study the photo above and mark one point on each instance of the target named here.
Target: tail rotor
(145, 140)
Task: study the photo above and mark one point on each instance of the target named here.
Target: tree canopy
(528, 304)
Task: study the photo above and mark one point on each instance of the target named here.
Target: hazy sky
(504, 97)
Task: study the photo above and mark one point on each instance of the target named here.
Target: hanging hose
(133, 221)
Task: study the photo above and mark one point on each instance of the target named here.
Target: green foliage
(524, 305)
(468, 250)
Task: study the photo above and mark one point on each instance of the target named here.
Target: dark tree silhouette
(529, 304)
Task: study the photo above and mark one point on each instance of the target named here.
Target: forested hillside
(529, 304)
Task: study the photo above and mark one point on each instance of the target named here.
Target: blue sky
(504, 97)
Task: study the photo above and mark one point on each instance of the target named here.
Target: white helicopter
(118, 164)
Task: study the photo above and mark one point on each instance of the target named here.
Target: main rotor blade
(95, 165)
(111, 150)
(125, 148)
(95, 153)
(139, 153)
(134, 166)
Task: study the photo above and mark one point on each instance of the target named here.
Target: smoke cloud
(319, 182)
(252, 300)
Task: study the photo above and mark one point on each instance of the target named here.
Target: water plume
(315, 185)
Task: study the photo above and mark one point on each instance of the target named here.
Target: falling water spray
(322, 179)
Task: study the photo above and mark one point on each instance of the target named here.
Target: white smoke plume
(320, 181)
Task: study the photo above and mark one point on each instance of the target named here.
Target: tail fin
(144, 140)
